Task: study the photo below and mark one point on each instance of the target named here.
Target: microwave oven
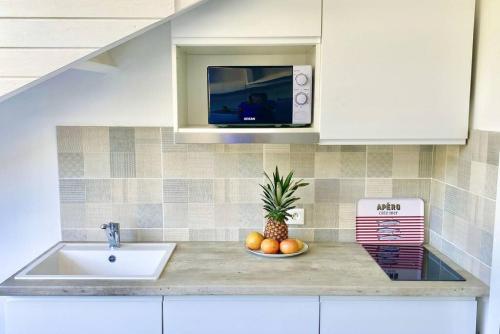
(259, 95)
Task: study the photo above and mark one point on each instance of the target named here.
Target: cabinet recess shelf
(190, 58)
(208, 135)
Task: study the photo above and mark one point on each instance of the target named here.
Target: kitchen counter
(226, 268)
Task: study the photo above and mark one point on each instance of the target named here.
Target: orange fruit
(270, 246)
(253, 240)
(289, 246)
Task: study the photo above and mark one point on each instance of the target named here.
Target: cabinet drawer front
(242, 315)
(83, 315)
(354, 315)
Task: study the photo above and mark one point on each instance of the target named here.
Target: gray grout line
(462, 189)
(461, 250)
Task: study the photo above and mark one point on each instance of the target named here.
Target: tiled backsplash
(159, 190)
(463, 195)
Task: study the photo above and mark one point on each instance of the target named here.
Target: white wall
(137, 94)
(486, 94)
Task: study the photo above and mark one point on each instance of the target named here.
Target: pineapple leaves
(278, 195)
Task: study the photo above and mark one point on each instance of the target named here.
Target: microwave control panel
(302, 94)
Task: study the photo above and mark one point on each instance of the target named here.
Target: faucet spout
(113, 234)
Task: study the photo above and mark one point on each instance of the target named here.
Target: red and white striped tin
(392, 221)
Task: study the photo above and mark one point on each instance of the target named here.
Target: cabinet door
(83, 315)
(251, 18)
(397, 315)
(396, 71)
(241, 315)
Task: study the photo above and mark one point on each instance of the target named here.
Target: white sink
(96, 261)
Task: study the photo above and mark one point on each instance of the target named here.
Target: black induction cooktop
(411, 263)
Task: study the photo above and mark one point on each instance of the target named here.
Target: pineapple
(278, 199)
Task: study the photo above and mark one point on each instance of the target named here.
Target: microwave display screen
(253, 95)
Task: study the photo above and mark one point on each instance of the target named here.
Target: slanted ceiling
(40, 38)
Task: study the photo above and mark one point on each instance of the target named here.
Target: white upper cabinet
(251, 18)
(395, 71)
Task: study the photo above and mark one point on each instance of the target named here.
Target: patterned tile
(347, 215)
(201, 191)
(425, 161)
(452, 156)
(327, 164)
(485, 214)
(98, 191)
(325, 215)
(72, 215)
(352, 164)
(176, 215)
(174, 165)
(95, 139)
(486, 248)
(168, 143)
(69, 139)
(96, 165)
(437, 194)
(214, 234)
(490, 189)
(439, 168)
(201, 215)
(175, 191)
(70, 165)
(493, 148)
(122, 164)
(412, 188)
(436, 220)
(347, 235)
(242, 148)
(200, 164)
(97, 214)
(250, 165)
(379, 161)
(175, 234)
(137, 191)
(460, 203)
(326, 190)
(72, 191)
(326, 235)
(463, 173)
(142, 235)
(478, 177)
(122, 139)
(379, 188)
(237, 190)
(406, 162)
(302, 163)
(478, 143)
(149, 215)
(160, 190)
(351, 191)
(148, 152)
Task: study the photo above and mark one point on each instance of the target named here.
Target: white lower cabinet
(83, 315)
(241, 315)
(397, 315)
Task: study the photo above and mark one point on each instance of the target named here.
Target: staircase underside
(41, 38)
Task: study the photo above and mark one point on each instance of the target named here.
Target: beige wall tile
(379, 188)
(406, 161)
(379, 161)
(327, 165)
(439, 168)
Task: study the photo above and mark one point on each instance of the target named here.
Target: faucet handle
(104, 226)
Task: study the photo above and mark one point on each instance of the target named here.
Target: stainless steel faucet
(113, 234)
